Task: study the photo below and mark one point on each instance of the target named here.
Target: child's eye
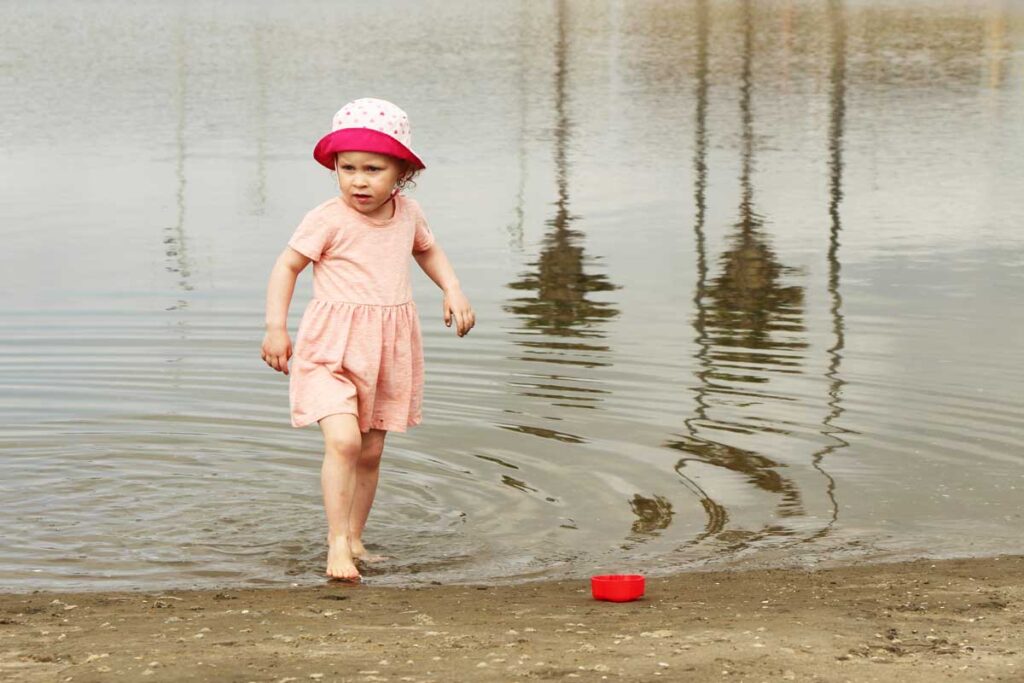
(347, 167)
(373, 168)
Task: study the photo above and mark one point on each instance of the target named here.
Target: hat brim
(361, 140)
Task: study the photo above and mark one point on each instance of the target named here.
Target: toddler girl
(357, 368)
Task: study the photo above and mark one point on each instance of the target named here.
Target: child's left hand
(457, 306)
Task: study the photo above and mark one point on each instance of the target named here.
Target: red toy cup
(617, 587)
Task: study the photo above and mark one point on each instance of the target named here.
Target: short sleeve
(311, 237)
(424, 238)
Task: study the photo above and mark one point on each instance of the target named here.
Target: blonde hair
(405, 179)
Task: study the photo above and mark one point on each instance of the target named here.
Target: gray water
(747, 276)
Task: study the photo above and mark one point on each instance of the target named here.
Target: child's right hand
(277, 349)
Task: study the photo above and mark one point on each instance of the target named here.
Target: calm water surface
(748, 280)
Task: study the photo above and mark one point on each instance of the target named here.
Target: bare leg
(342, 446)
(367, 474)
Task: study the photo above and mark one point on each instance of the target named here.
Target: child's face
(366, 181)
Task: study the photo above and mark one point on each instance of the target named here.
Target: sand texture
(912, 621)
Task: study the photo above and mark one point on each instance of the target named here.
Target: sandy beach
(912, 621)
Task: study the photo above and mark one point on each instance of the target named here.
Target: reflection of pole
(515, 228)
(700, 167)
(735, 311)
(561, 124)
(837, 103)
(837, 106)
(746, 122)
(175, 240)
(717, 516)
(700, 172)
(261, 120)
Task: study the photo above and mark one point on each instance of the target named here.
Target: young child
(357, 368)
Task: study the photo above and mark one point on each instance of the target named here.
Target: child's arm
(277, 345)
(435, 264)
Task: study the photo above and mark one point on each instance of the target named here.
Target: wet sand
(912, 621)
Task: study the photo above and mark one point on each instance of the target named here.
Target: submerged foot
(340, 563)
(359, 552)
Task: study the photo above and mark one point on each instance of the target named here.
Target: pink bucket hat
(368, 125)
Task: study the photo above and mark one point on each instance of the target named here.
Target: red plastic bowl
(617, 587)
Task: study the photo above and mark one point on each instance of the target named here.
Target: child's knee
(372, 448)
(342, 445)
(370, 457)
(341, 435)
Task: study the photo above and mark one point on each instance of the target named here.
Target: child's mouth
(362, 197)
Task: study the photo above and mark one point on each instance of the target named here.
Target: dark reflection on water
(545, 433)
(837, 116)
(748, 324)
(746, 309)
(561, 318)
(653, 515)
(497, 461)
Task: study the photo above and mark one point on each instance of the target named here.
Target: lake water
(748, 279)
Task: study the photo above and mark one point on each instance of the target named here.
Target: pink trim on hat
(361, 140)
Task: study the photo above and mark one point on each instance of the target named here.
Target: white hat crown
(379, 115)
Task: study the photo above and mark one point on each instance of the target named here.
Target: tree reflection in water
(559, 317)
(749, 325)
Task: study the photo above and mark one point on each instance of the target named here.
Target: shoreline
(914, 620)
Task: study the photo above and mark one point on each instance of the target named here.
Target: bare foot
(340, 564)
(359, 552)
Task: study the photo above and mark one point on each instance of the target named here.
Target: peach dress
(358, 349)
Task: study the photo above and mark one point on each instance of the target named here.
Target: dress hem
(299, 424)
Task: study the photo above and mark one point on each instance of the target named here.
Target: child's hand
(277, 349)
(457, 306)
